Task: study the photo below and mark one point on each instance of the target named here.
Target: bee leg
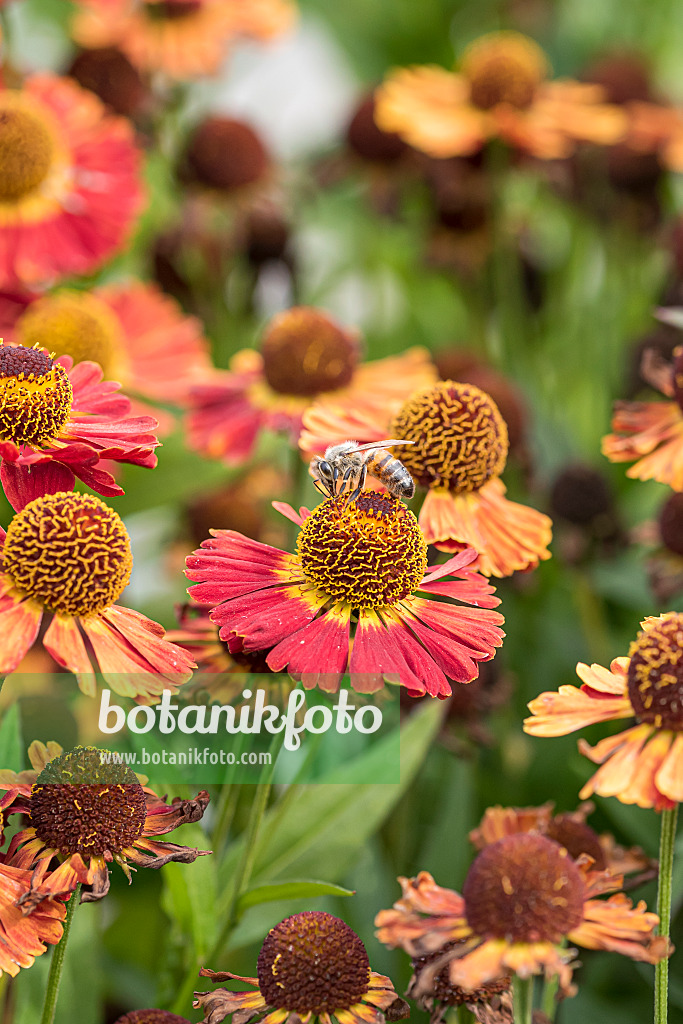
(319, 486)
(361, 484)
(334, 490)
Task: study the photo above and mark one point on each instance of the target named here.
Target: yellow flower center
(26, 151)
(35, 396)
(368, 553)
(503, 67)
(524, 888)
(655, 673)
(312, 963)
(460, 438)
(72, 323)
(79, 805)
(70, 552)
(306, 352)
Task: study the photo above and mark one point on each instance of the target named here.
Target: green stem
(549, 999)
(666, 863)
(522, 999)
(57, 964)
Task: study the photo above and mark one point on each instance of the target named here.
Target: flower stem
(57, 964)
(522, 999)
(666, 863)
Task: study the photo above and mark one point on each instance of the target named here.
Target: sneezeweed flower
(311, 966)
(665, 564)
(642, 765)
(108, 73)
(459, 450)
(360, 567)
(501, 91)
(522, 898)
(89, 814)
(71, 188)
(652, 432)
(183, 38)
(62, 418)
(139, 336)
(225, 154)
(305, 357)
(489, 1004)
(67, 555)
(26, 928)
(571, 831)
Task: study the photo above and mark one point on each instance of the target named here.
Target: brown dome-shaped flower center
(35, 396)
(151, 1017)
(80, 805)
(26, 151)
(70, 552)
(655, 673)
(671, 523)
(72, 323)
(306, 352)
(368, 553)
(226, 154)
(503, 67)
(460, 438)
(312, 963)
(524, 888)
(577, 837)
(443, 989)
(169, 10)
(108, 73)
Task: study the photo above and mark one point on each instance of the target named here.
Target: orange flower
(652, 432)
(139, 336)
(184, 38)
(68, 555)
(305, 358)
(70, 183)
(523, 896)
(501, 91)
(311, 967)
(459, 449)
(642, 765)
(89, 814)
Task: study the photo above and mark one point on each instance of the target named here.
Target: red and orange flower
(71, 187)
(311, 967)
(139, 336)
(522, 898)
(642, 765)
(360, 568)
(652, 432)
(58, 421)
(305, 357)
(502, 92)
(68, 555)
(458, 451)
(184, 38)
(88, 814)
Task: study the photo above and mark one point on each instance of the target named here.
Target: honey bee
(345, 467)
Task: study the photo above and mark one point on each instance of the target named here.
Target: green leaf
(12, 752)
(190, 892)
(289, 891)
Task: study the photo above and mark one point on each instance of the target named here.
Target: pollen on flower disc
(577, 837)
(459, 437)
(35, 396)
(503, 67)
(524, 888)
(655, 673)
(81, 805)
(305, 352)
(72, 323)
(26, 151)
(312, 963)
(368, 553)
(70, 552)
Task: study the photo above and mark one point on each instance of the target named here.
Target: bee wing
(377, 444)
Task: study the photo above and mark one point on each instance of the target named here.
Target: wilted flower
(501, 91)
(458, 451)
(151, 1017)
(360, 564)
(70, 182)
(522, 898)
(89, 813)
(312, 966)
(644, 764)
(68, 555)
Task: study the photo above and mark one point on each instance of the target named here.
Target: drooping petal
(652, 433)
(22, 484)
(19, 623)
(65, 643)
(318, 653)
